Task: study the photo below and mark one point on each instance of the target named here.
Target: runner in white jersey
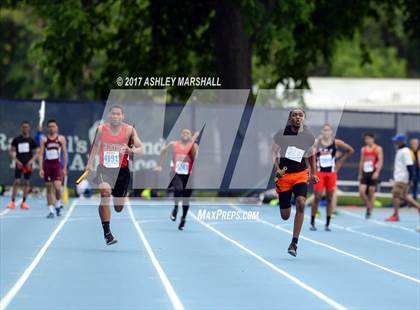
(403, 176)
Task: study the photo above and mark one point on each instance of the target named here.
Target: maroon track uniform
(52, 167)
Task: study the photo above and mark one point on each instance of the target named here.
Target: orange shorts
(289, 180)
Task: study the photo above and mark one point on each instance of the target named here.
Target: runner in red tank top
(115, 141)
(185, 151)
(370, 166)
(50, 167)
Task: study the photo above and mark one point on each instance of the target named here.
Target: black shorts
(179, 183)
(18, 174)
(367, 179)
(117, 178)
(300, 189)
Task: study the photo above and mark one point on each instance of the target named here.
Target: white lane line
(4, 212)
(295, 280)
(402, 275)
(386, 224)
(5, 301)
(352, 230)
(176, 303)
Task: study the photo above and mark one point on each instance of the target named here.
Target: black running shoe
(173, 214)
(292, 250)
(109, 238)
(368, 215)
(50, 215)
(58, 210)
(181, 224)
(312, 227)
(327, 228)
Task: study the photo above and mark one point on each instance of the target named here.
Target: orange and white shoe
(393, 218)
(24, 205)
(11, 205)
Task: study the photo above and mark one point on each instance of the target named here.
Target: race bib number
(111, 159)
(51, 154)
(368, 166)
(326, 161)
(182, 167)
(294, 153)
(23, 147)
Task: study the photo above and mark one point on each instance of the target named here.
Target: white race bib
(326, 161)
(368, 166)
(182, 167)
(23, 147)
(111, 159)
(294, 153)
(51, 154)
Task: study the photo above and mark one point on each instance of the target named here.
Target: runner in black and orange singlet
(115, 142)
(185, 152)
(327, 169)
(292, 154)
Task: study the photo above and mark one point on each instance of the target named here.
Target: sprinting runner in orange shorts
(292, 153)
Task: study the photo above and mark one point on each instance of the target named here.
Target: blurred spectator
(84, 189)
(415, 154)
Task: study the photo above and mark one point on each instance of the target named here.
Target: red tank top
(370, 157)
(182, 158)
(110, 155)
(52, 151)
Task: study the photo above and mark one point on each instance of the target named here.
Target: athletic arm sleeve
(409, 164)
(410, 169)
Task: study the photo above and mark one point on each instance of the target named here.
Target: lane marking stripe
(4, 212)
(402, 275)
(353, 230)
(10, 295)
(295, 280)
(349, 213)
(176, 303)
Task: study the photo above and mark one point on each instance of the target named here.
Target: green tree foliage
(79, 47)
(349, 61)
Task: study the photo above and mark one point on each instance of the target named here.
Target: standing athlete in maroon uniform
(115, 141)
(185, 152)
(50, 166)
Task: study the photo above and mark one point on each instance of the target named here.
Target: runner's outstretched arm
(163, 154)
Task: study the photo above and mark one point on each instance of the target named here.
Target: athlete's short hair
(25, 122)
(116, 106)
(51, 121)
(296, 109)
(368, 134)
(289, 118)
